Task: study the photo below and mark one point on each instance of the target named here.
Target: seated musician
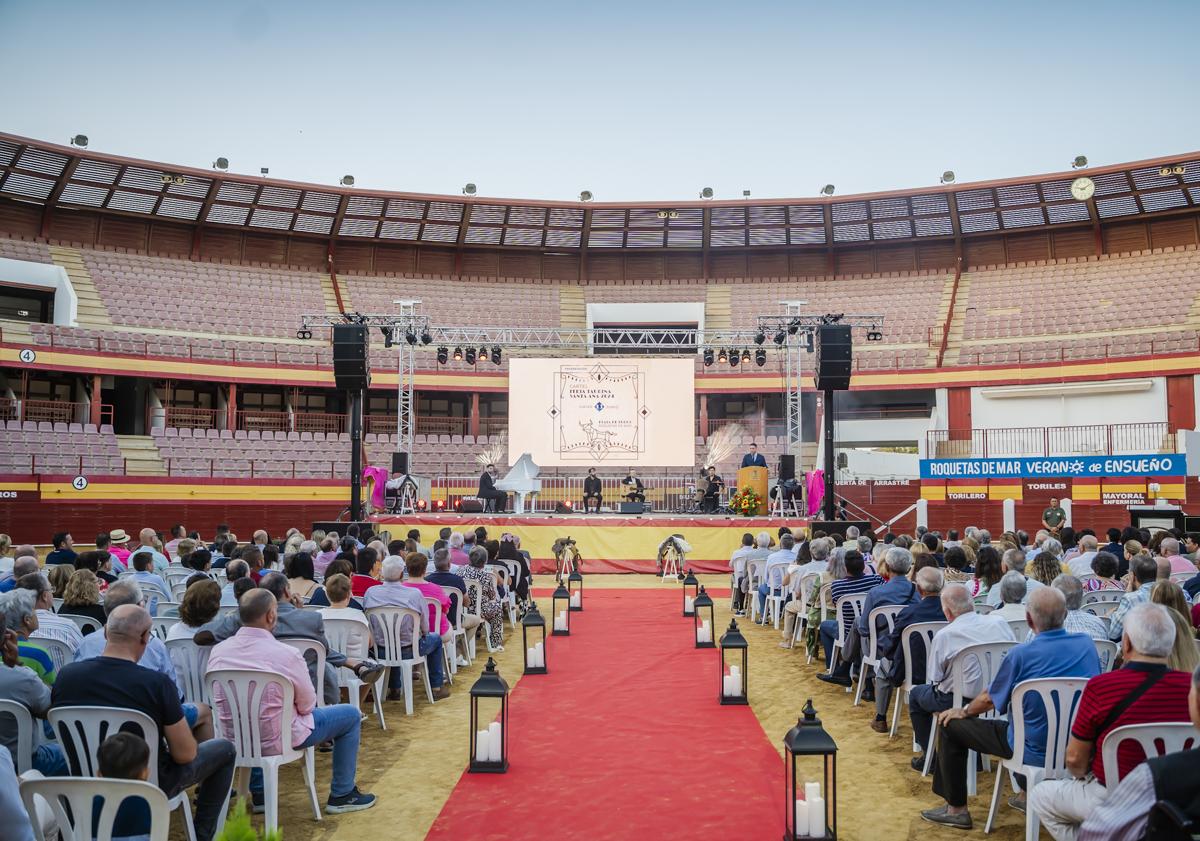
(494, 500)
(712, 493)
(636, 491)
(592, 496)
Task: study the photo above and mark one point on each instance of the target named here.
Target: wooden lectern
(756, 478)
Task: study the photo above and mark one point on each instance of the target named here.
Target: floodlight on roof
(80, 140)
(706, 193)
(165, 178)
(1080, 162)
(827, 190)
(1164, 171)
(662, 214)
(469, 189)
(347, 181)
(586, 195)
(221, 163)
(263, 170)
(745, 194)
(947, 177)
(179, 179)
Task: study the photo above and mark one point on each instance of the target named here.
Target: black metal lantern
(489, 746)
(815, 814)
(575, 589)
(702, 620)
(561, 613)
(690, 590)
(533, 641)
(734, 664)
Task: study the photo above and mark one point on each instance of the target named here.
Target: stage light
(723, 356)
(706, 193)
(1080, 162)
(79, 140)
(495, 354)
(874, 334)
(780, 338)
(760, 357)
(347, 181)
(422, 505)
(827, 190)
(426, 339)
(469, 189)
(1179, 169)
(179, 179)
(760, 337)
(304, 332)
(458, 505)
(947, 177)
(808, 342)
(387, 336)
(746, 356)
(470, 355)
(443, 355)
(1165, 171)
(221, 163)
(662, 214)
(410, 336)
(793, 327)
(734, 358)
(708, 357)
(165, 178)
(586, 195)
(439, 505)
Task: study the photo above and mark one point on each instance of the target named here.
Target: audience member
(1104, 573)
(99, 563)
(20, 617)
(143, 574)
(1014, 560)
(777, 564)
(1184, 655)
(1081, 563)
(366, 571)
(50, 625)
(1013, 594)
(1169, 549)
(321, 597)
(1077, 621)
(341, 605)
(64, 549)
(855, 582)
(392, 592)
(200, 605)
(149, 543)
(82, 596)
(301, 575)
(1144, 572)
(57, 577)
(117, 540)
(489, 607)
(234, 570)
(21, 684)
(928, 608)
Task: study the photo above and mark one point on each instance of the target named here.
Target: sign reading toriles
(619, 412)
(1172, 464)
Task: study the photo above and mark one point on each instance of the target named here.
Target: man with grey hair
(1143, 572)
(985, 537)
(1012, 596)
(1013, 560)
(1078, 621)
(967, 627)
(777, 564)
(21, 684)
(392, 592)
(1039, 538)
(1081, 564)
(50, 624)
(892, 666)
(1052, 653)
(759, 549)
(1169, 549)
(1126, 811)
(864, 544)
(114, 679)
(233, 571)
(456, 588)
(852, 533)
(22, 566)
(1143, 691)
(19, 612)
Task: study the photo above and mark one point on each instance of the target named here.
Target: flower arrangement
(745, 502)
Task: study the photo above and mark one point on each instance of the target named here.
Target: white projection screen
(595, 411)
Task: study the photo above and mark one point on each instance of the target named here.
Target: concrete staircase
(954, 340)
(142, 457)
(91, 311)
(572, 308)
(330, 296)
(931, 358)
(718, 308)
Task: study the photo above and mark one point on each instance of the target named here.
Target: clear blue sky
(645, 100)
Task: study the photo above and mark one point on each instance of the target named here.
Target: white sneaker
(462, 661)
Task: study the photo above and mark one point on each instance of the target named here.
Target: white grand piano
(521, 479)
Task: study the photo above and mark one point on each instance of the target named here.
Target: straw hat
(118, 536)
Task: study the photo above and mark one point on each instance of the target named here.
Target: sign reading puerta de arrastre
(573, 412)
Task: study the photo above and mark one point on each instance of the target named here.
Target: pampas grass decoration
(722, 444)
(494, 453)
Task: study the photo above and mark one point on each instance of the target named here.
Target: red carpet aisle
(624, 739)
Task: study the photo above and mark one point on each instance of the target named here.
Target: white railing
(664, 493)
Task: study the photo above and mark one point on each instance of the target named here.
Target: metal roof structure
(65, 176)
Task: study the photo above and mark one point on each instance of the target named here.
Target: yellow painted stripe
(1005, 492)
(1089, 492)
(99, 490)
(1125, 487)
(934, 493)
(18, 486)
(1174, 490)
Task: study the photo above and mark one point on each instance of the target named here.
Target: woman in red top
(416, 564)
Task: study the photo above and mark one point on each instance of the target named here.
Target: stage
(606, 542)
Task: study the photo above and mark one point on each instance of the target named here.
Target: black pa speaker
(351, 370)
(400, 463)
(833, 357)
(787, 467)
(633, 507)
(471, 505)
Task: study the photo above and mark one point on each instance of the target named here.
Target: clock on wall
(1083, 188)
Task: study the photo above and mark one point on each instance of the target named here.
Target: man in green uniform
(1054, 517)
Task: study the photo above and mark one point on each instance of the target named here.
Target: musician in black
(712, 492)
(636, 491)
(493, 500)
(591, 491)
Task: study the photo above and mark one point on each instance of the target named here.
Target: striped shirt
(1125, 811)
(38, 659)
(1165, 701)
(54, 627)
(848, 587)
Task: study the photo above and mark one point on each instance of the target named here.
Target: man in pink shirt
(255, 645)
(1169, 549)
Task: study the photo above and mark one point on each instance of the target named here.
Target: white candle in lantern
(707, 628)
(576, 599)
(531, 657)
(735, 680)
(481, 745)
(688, 604)
(726, 686)
(560, 621)
(816, 817)
(801, 825)
(539, 652)
(494, 743)
(812, 791)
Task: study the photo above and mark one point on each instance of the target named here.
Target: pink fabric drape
(816, 491)
(378, 477)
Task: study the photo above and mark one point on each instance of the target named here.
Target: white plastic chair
(983, 609)
(1107, 651)
(238, 695)
(1019, 628)
(1179, 578)
(160, 626)
(823, 597)
(475, 591)
(855, 602)
(387, 624)
(58, 650)
(1103, 610)
(26, 734)
(81, 730)
(72, 800)
(774, 601)
(165, 606)
(305, 647)
(926, 631)
(1059, 697)
(191, 662)
(988, 656)
(754, 575)
(1155, 739)
(86, 624)
(450, 661)
(458, 632)
(803, 591)
(352, 637)
(1096, 596)
(509, 604)
(870, 655)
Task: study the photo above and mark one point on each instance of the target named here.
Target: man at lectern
(754, 458)
(635, 490)
(591, 492)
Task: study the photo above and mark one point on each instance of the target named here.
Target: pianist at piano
(493, 498)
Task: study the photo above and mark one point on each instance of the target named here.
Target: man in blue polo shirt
(1052, 653)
